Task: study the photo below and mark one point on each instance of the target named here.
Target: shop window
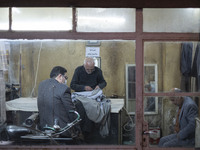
(37, 19)
(172, 20)
(4, 19)
(105, 20)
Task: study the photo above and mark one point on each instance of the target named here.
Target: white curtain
(4, 53)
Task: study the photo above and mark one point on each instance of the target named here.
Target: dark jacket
(81, 79)
(186, 59)
(196, 67)
(54, 102)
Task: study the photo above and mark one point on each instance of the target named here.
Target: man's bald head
(175, 90)
(89, 65)
(176, 100)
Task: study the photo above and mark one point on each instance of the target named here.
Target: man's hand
(88, 88)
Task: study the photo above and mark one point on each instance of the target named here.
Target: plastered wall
(39, 57)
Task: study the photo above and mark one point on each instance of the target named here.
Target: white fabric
(95, 94)
(30, 104)
(22, 104)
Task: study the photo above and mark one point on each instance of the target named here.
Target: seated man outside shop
(184, 130)
(87, 77)
(54, 101)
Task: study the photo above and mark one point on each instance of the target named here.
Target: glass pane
(176, 67)
(165, 122)
(150, 105)
(106, 20)
(129, 131)
(130, 88)
(4, 55)
(154, 120)
(41, 19)
(131, 74)
(150, 86)
(177, 64)
(50, 53)
(4, 19)
(172, 20)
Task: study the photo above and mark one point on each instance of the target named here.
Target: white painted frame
(156, 89)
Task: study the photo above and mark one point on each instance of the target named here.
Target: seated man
(54, 101)
(184, 135)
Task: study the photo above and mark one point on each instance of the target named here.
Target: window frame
(156, 89)
(139, 36)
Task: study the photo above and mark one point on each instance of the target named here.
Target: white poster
(92, 51)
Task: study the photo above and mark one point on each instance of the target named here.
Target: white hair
(89, 60)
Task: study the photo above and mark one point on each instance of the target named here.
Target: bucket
(154, 136)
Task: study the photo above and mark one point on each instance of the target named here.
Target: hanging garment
(195, 72)
(193, 79)
(185, 65)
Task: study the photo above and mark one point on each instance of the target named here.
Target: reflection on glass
(172, 20)
(41, 19)
(4, 19)
(106, 20)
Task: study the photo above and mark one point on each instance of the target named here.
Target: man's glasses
(65, 77)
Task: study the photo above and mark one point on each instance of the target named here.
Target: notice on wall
(92, 51)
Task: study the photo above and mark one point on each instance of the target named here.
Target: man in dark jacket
(54, 100)
(87, 77)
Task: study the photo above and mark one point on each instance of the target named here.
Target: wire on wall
(36, 74)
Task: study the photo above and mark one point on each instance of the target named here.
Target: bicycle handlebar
(68, 126)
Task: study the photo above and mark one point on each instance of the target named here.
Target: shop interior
(27, 62)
